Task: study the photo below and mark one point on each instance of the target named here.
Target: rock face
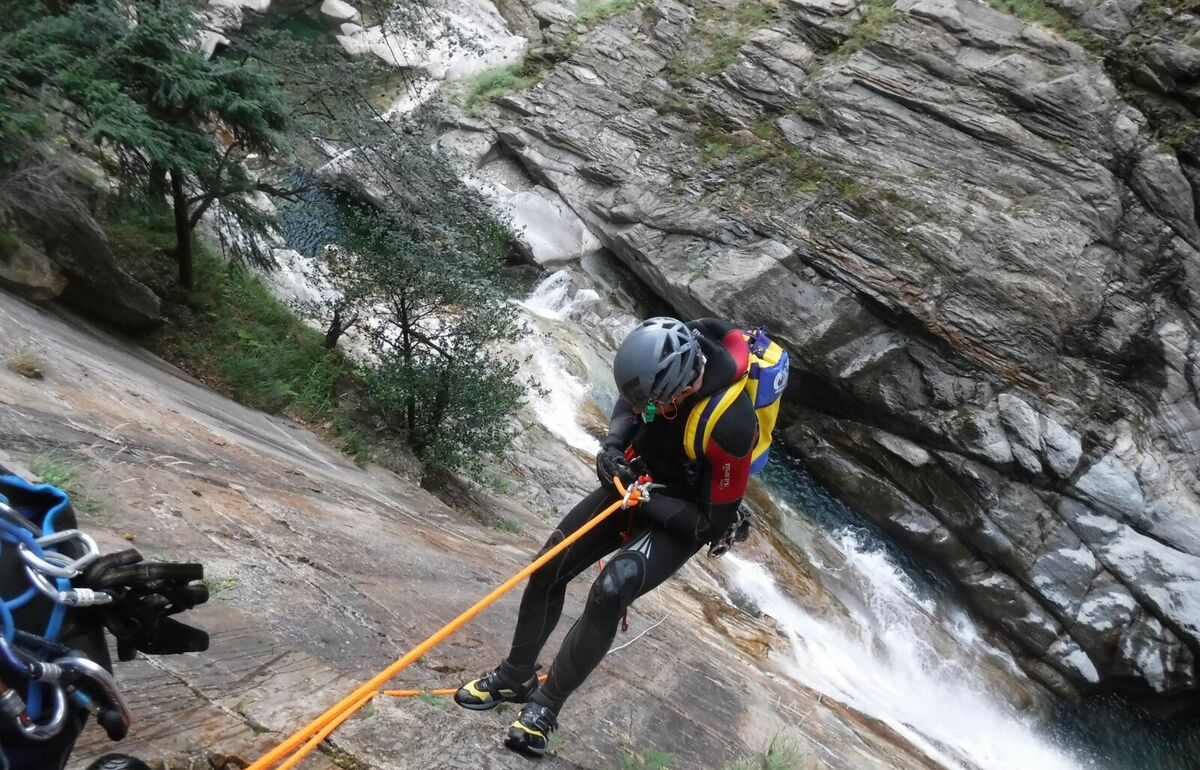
(30, 273)
(984, 265)
(68, 257)
(322, 573)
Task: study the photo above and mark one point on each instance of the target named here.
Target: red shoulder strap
(735, 343)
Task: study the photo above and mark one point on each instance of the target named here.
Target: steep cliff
(322, 573)
(979, 252)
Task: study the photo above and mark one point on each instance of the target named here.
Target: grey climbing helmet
(656, 361)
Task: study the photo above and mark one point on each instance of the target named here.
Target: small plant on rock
(27, 364)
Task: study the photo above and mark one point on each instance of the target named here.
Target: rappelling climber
(685, 416)
(58, 595)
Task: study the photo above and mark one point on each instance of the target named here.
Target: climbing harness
(304, 741)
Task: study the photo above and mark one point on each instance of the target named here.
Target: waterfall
(883, 667)
(560, 401)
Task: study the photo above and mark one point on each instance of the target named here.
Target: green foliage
(1044, 15)
(238, 338)
(779, 756)
(439, 702)
(876, 14)
(589, 13)
(650, 759)
(491, 85)
(715, 143)
(59, 471)
(138, 87)
(434, 375)
(720, 32)
(9, 244)
(53, 469)
(26, 364)
(217, 586)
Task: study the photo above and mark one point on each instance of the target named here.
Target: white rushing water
(551, 302)
(885, 668)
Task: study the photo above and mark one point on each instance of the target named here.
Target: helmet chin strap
(670, 409)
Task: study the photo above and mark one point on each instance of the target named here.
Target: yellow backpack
(764, 382)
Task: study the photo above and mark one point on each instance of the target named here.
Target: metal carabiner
(57, 564)
(75, 597)
(94, 672)
(37, 732)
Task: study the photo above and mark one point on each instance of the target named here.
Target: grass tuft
(493, 84)
(59, 471)
(27, 364)
(650, 759)
(780, 755)
(718, 35)
(589, 13)
(1044, 15)
(439, 702)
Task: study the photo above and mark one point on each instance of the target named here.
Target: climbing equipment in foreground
(764, 382)
(530, 733)
(305, 740)
(57, 592)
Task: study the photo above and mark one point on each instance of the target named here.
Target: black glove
(145, 595)
(611, 462)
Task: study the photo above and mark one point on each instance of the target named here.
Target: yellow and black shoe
(530, 734)
(490, 691)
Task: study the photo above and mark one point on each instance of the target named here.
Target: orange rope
(320, 728)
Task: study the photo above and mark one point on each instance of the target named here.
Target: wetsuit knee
(617, 585)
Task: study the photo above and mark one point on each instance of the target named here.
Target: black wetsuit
(698, 505)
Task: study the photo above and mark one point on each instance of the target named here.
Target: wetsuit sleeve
(622, 424)
(725, 469)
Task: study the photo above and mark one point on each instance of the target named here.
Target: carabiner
(76, 597)
(37, 732)
(97, 674)
(57, 564)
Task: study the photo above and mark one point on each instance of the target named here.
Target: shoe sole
(524, 748)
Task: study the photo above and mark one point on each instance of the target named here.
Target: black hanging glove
(145, 594)
(611, 462)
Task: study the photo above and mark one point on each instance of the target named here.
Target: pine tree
(131, 80)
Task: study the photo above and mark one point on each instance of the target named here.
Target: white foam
(563, 395)
(887, 671)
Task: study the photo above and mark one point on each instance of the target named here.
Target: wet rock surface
(983, 262)
(322, 573)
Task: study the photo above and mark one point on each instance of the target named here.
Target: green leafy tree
(131, 80)
(435, 318)
(417, 273)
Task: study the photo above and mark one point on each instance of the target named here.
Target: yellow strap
(689, 431)
(693, 423)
